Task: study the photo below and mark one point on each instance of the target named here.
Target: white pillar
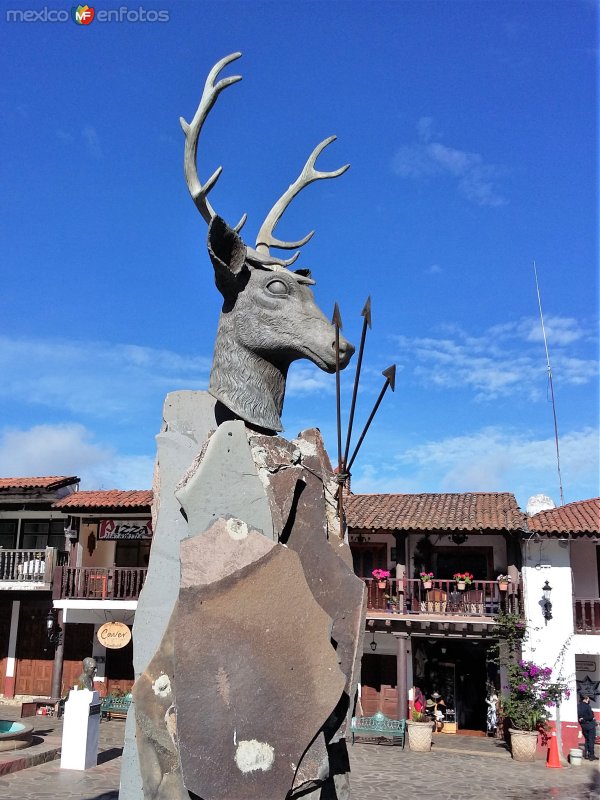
(81, 730)
(9, 680)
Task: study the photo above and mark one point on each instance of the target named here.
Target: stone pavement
(458, 768)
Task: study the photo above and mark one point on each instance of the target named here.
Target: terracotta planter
(503, 587)
(427, 584)
(460, 585)
(419, 736)
(523, 744)
(382, 584)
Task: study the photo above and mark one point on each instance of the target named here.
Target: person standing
(585, 715)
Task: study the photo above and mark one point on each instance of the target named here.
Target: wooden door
(35, 655)
(79, 640)
(367, 557)
(119, 669)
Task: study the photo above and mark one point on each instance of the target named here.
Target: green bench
(115, 706)
(379, 726)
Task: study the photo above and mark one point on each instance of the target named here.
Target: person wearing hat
(585, 715)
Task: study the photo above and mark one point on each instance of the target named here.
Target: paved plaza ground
(457, 768)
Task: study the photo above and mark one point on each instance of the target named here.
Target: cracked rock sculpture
(248, 634)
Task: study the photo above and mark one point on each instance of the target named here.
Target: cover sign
(114, 635)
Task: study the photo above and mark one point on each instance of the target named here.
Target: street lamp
(373, 644)
(53, 629)
(546, 603)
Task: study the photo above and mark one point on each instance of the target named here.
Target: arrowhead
(366, 312)
(390, 374)
(336, 319)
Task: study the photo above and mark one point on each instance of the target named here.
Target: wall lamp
(546, 603)
(458, 538)
(373, 644)
(53, 629)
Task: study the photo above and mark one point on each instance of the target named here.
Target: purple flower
(533, 670)
(522, 687)
(547, 671)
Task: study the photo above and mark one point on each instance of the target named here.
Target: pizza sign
(125, 529)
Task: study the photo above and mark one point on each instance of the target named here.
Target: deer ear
(228, 255)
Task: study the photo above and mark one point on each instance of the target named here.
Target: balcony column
(402, 656)
(400, 539)
(57, 667)
(9, 679)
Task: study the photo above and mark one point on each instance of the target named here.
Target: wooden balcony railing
(28, 566)
(587, 615)
(408, 596)
(97, 583)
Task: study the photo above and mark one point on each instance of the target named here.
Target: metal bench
(379, 726)
(115, 706)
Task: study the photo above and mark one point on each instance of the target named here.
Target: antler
(192, 130)
(265, 238)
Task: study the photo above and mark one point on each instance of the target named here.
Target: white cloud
(92, 141)
(305, 378)
(475, 178)
(504, 360)
(491, 459)
(69, 449)
(94, 379)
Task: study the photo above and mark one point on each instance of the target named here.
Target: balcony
(408, 597)
(98, 583)
(586, 615)
(28, 569)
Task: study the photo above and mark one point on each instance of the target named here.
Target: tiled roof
(582, 517)
(470, 511)
(48, 482)
(113, 498)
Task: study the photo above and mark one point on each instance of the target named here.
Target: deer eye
(277, 287)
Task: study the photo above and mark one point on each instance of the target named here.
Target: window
(132, 553)
(39, 534)
(8, 533)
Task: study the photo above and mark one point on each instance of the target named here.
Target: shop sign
(114, 635)
(125, 529)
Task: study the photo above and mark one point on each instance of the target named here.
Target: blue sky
(472, 134)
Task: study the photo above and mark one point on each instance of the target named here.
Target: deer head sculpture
(269, 316)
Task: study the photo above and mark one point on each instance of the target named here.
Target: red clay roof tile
(113, 498)
(469, 511)
(581, 517)
(48, 482)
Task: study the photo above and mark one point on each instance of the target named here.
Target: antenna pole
(537, 287)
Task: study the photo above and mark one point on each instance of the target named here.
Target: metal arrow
(366, 313)
(390, 380)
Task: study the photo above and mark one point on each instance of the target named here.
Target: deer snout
(346, 351)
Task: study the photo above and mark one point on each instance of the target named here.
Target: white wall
(549, 560)
(585, 568)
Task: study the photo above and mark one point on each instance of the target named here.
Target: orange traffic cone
(553, 757)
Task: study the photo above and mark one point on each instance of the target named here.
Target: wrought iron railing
(98, 583)
(28, 566)
(410, 596)
(586, 615)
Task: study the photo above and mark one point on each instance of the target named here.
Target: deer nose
(346, 351)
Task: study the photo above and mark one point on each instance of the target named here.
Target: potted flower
(526, 706)
(427, 578)
(503, 581)
(420, 732)
(392, 602)
(381, 576)
(462, 579)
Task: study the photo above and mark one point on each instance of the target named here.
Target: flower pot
(523, 744)
(419, 736)
(381, 584)
(575, 756)
(460, 585)
(427, 584)
(503, 587)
